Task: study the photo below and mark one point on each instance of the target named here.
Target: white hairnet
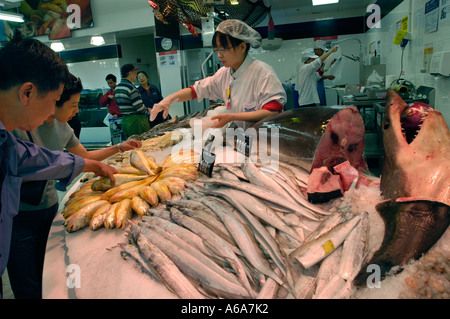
(240, 30)
(308, 54)
(320, 44)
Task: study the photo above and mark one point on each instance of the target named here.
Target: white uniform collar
(247, 61)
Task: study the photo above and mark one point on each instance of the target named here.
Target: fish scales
(315, 250)
(241, 236)
(269, 243)
(211, 222)
(140, 161)
(265, 213)
(193, 268)
(123, 213)
(188, 247)
(181, 232)
(168, 271)
(219, 246)
(131, 250)
(83, 216)
(256, 177)
(354, 248)
(264, 193)
(98, 219)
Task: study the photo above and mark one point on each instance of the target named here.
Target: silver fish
(314, 251)
(264, 193)
(169, 272)
(354, 248)
(267, 241)
(193, 268)
(242, 238)
(220, 246)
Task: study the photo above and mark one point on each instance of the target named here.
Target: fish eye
(352, 148)
(334, 138)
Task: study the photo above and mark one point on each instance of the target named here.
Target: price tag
(208, 159)
(243, 143)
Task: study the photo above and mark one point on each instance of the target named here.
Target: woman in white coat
(307, 77)
(250, 88)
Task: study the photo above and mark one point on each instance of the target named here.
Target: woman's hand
(130, 145)
(100, 169)
(223, 119)
(164, 106)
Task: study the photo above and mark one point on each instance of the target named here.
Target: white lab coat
(252, 86)
(306, 83)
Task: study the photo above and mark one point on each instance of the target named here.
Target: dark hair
(111, 77)
(143, 72)
(29, 60)
(73, 87)
(223, 40)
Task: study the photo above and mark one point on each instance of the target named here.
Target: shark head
(417, 165)
(415, 184)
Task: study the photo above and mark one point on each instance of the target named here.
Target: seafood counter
(311, 223)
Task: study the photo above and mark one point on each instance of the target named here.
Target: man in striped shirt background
(134, 112)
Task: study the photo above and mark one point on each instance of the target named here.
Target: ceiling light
(11, 16)
(97, 40)
(234, 2)
(322, 2)
(57, 46)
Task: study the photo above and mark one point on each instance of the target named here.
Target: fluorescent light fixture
(322, 2)
(234, 2)
(57, 46)
(11, 16)
(97, 40)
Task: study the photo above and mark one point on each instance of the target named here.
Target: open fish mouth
(416, 164)
(415, 182)
(412, 118)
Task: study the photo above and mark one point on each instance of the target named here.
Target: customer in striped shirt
(134, 112)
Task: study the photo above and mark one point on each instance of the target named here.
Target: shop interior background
(128, 28)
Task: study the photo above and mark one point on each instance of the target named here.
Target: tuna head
(342, 141)
(415, 183)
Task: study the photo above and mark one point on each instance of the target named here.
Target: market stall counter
(306, 224)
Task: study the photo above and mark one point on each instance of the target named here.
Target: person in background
(27, 98)
(319, 49)
(32, 224)
(108, 98)
(307, 77)
(250, 88)
(134, 112)
(150, 96)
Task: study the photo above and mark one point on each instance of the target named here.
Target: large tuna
(415, 182)
(317, 136)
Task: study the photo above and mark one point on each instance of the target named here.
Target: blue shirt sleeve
(40, 163)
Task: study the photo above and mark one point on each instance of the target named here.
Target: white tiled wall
(414, 52)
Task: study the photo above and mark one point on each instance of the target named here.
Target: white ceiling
(287, 11)
(283, 12)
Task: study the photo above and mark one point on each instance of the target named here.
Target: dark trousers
(26, 258)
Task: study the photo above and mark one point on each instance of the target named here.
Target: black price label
(243, 143)
(208, 159)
